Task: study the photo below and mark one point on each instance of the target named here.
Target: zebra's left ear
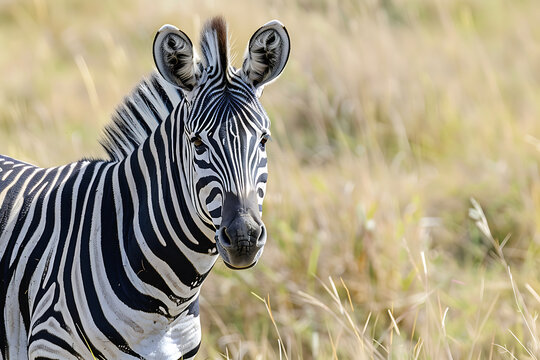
(266, 55)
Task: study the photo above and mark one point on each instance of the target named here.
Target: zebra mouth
(239, 268)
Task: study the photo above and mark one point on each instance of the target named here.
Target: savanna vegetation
(403, 205)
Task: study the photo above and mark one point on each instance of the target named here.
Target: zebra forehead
(241, 123)
(225, 110)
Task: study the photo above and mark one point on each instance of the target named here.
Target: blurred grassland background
(390, 116)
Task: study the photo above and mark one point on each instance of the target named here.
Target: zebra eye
(197, 142)
(264, 140)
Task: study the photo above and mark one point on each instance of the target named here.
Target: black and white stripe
(105, 258)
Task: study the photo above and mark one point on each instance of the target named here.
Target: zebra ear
(174, 57)
(266, 55)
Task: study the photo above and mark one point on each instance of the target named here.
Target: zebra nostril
(225, 239)
(261, 240)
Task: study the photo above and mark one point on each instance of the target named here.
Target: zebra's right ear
(174, 57)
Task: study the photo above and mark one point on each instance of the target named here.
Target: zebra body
(105, 258)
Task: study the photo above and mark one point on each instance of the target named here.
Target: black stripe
(92, 298)
(124, 289)
(70, 255)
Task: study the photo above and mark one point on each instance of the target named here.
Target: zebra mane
(214, 43)
(148, 105)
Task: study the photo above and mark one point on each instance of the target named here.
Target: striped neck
(168, 248)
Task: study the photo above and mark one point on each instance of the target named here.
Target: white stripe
(162, 267)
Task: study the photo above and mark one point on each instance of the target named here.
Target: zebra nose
(243, 233)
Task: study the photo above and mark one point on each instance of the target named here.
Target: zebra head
(223, 129)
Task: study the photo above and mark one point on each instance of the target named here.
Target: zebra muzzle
(240, 243)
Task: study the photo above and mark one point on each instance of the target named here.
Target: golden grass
(389, 118)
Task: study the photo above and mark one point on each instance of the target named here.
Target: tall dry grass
(390, 117)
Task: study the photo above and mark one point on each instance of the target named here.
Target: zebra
(105, 259)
